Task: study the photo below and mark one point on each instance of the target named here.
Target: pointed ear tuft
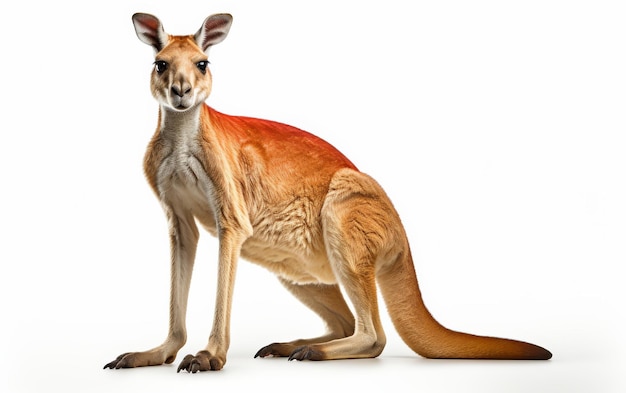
(150, 30)
(213, 31)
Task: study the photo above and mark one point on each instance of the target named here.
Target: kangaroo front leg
(213, 357)
(183, 242)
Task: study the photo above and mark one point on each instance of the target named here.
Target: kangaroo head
(181, 79)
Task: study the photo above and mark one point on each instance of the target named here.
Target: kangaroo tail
(424, 335)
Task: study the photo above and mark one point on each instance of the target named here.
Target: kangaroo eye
(160, 66)
(202, 65)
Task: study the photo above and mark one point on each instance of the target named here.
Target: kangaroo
(289, 201)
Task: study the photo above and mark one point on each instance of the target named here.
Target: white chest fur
(182, 180)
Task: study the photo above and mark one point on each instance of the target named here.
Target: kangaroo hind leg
(355, 217)
(327, 302)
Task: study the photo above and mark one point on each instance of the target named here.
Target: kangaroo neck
(175, 123)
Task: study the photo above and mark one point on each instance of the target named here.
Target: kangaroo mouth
(180, 103)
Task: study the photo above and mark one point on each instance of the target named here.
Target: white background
(497, 128)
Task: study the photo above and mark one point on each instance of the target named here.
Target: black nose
(180, 92)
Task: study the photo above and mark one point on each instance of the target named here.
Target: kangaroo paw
(306, 353)
(139, 359)
(275, 349)
(202, 361)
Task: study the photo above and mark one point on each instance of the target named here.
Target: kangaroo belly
(287, 264)
(287, 239)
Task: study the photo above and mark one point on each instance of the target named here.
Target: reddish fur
(285, 146)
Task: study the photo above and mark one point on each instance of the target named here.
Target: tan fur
(290, 202)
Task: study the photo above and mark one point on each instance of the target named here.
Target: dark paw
(305, 353)
(125, 360)
(277, 350)
(202, 361)
(140, 359)
(265, 352)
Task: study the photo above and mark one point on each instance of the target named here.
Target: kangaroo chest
(182, 180)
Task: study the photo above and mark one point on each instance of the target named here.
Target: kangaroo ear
(150, 30)
(213, 30)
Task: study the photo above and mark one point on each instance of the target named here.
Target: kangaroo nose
(180, 91)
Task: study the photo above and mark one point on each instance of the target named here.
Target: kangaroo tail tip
(543, 354)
